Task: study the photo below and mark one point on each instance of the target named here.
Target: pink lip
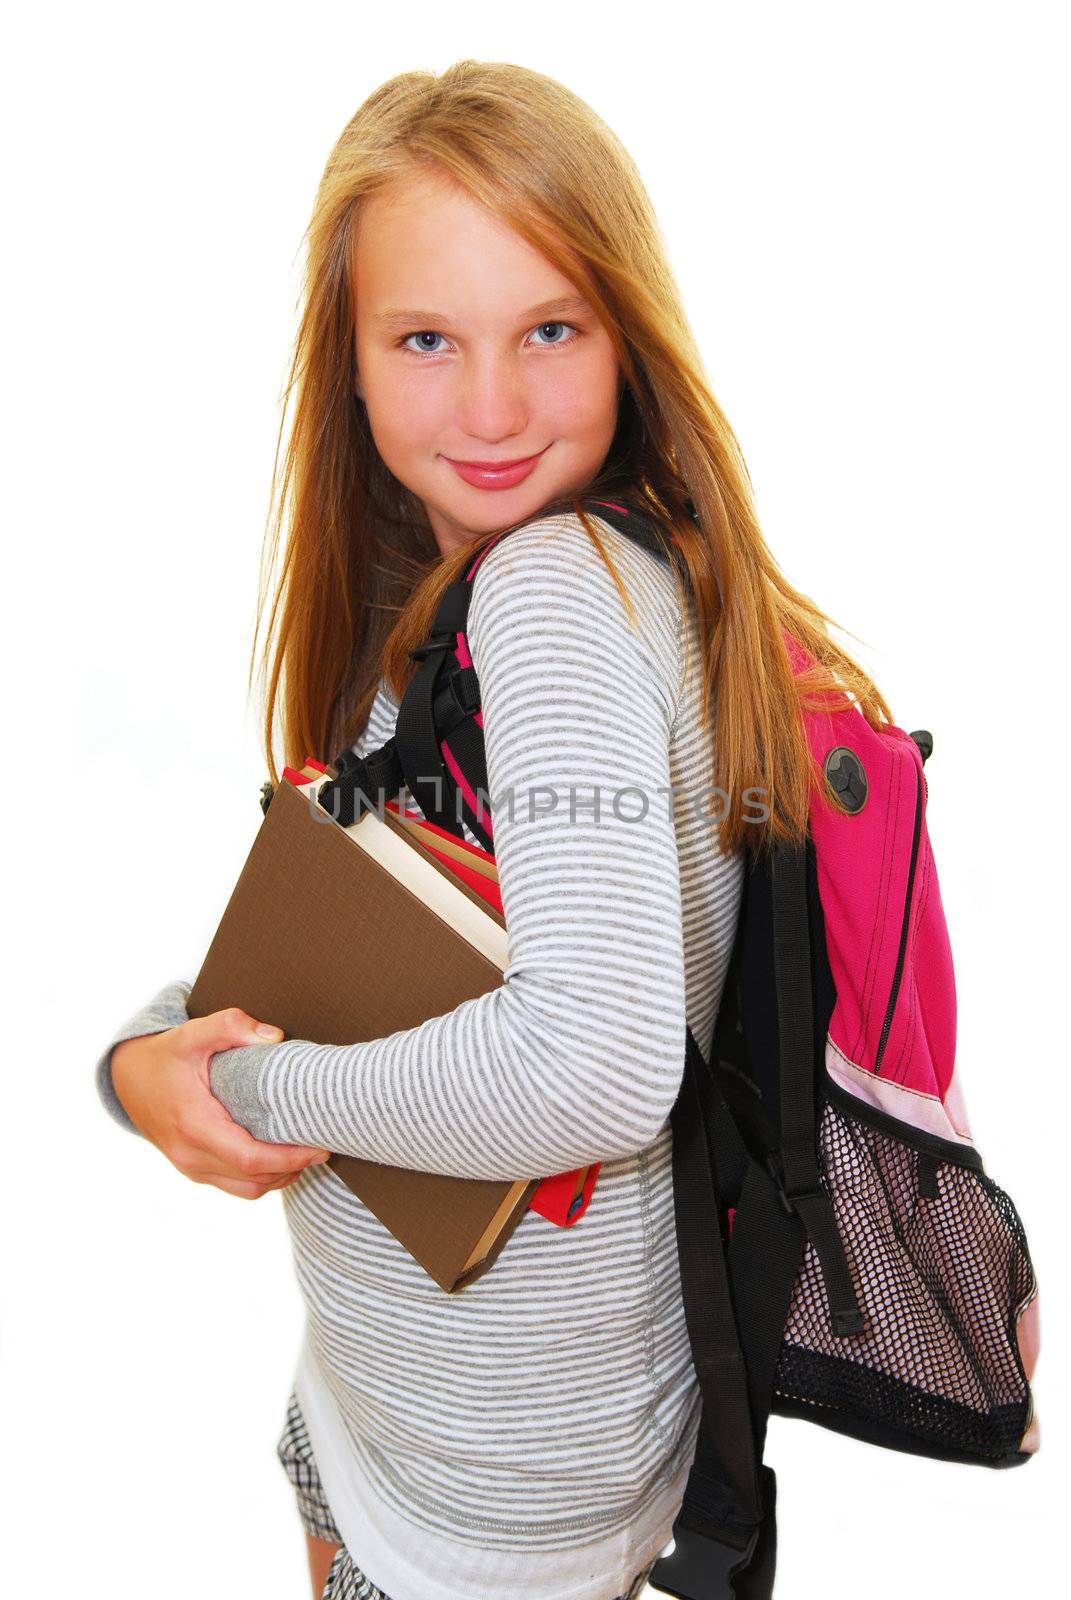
(495, 474)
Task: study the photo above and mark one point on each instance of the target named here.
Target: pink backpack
(844, 1256)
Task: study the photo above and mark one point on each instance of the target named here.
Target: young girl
(490, 333)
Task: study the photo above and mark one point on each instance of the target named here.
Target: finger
(263, 1180)
(241, 1191)
(254, 1191)
(244, 1189)
(269, 1164)
(220, 1030)
(228, 1146)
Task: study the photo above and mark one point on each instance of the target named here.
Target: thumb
(232, 1027)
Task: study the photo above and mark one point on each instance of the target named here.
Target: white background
(864, 205)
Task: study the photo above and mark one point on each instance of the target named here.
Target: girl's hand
(163, 1083)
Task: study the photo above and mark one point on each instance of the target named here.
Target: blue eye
(543, 325)
(429, 333)
(424, 333)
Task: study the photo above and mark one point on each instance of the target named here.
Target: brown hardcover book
(340, 935)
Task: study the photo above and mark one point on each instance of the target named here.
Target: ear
(357, 387)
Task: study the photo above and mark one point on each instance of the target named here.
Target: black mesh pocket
(942, 1270)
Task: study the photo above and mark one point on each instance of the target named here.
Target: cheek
(583, 396)
(586, 410)
(401, 409)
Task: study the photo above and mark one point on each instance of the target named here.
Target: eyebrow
(400, 317)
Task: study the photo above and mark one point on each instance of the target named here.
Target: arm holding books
(154, 1080)
(577, 1057)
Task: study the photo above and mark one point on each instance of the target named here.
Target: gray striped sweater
(531, 1434)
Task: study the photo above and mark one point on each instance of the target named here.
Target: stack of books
(340, 935)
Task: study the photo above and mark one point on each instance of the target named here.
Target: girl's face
(472, 347)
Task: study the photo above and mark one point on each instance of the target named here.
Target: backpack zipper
(898, 973)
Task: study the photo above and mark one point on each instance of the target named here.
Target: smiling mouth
(496, 466)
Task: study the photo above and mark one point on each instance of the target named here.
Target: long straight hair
(360, 574)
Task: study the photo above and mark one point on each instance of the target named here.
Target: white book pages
(424, 880)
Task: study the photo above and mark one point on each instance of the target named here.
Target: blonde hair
(361, 575)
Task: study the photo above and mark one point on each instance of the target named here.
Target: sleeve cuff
(235, 1079)
(165, 1010)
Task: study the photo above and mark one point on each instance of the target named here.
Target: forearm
(519, 1082)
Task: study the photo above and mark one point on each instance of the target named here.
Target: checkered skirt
(345, 1580)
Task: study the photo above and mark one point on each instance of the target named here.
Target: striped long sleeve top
(531, 1434)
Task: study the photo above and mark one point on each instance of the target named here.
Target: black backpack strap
(437, 748)
(416, 737)
(796, 1170)
(763, 1257)
(467, 759)
(779, 1204)
(717, 1529)
(442, 701)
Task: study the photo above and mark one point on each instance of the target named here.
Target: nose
(492, 402)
